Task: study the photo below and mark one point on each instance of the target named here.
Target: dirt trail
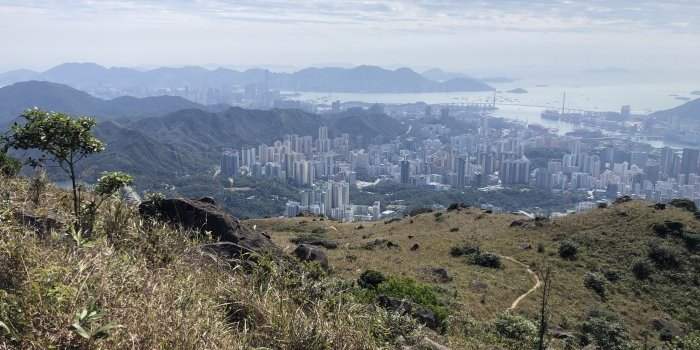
(535, 278)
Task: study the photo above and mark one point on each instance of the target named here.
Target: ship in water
(551, 114)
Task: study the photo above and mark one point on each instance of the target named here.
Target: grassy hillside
(610, 242)
(142, 284)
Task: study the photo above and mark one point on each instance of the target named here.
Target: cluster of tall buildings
(654, 174)
(490, 153)
(300, 160)
(332, 199)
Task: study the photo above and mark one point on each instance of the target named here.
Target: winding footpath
(535, 278)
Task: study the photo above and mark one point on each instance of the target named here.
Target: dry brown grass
(160, 291)
(157, 290)
(611, 239)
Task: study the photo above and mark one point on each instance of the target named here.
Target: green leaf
(81, 331)
(5, 327)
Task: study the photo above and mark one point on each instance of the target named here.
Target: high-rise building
(230, 162)
(461, 165)
(405, 171)
(337, 198)
(324, 144)
(515, 172)
(689, 161)
(248, 156)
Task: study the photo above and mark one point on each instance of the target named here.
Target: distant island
(517, 91)
(696, 92)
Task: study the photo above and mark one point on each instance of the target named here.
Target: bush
(540, 247)
(515, 327)
(691, 239)
(466, 249)
(595, 282)
(371, 279)
(453, 206)
(684, 203)
(664, 256)
(487, 260)
(605, 330)
(568, 250)
(422, 294)
(8, 165)
(642, 269)
(419, 211)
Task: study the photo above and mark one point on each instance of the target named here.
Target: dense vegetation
(509, 199)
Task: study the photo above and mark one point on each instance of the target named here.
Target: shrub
(684, 203)
(318, 230)
(453, 206)
(465, 249)
(8, 165)
(595, 282)
(371, 279)
(37, 186)
(487, 260)
(540, 247)
(419, 211)
(664, 256)
(612, 275)
(689, 342)
(568, 250)
(605, 330)
(515, 327)
(422, 294)
(691, 239)
(642, 269)
(454, 229)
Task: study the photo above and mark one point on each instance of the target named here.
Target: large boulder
(43, 225)
(204, 216)
(311, 254)
(402, 306)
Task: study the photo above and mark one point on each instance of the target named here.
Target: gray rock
(311, 254)
(203, 216)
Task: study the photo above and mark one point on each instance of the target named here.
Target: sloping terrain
(610, 243)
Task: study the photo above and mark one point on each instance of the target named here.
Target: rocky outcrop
(416, 311)
(311, 254)
(43, 225)
(204, 216)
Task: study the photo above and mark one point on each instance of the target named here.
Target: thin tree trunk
(76, 198)
(544, 310)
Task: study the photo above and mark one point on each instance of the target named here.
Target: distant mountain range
(104, 81)
(16, 98)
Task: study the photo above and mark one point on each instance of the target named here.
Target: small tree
(546, 278)
(66, 140)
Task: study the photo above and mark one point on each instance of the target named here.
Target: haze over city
(553, 38)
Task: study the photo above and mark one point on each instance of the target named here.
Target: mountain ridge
(363, 78)
(16, 98)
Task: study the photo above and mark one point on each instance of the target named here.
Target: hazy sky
(478, 37)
